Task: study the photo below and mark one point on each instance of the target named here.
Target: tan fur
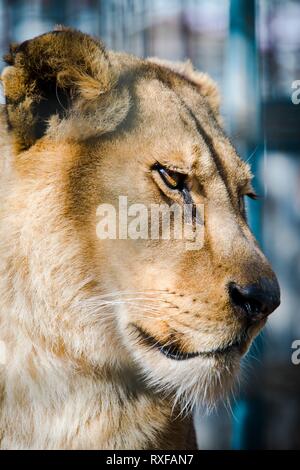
(207, 87)
(77, 375)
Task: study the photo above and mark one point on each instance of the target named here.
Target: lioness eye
(253, 195)
(172, 179)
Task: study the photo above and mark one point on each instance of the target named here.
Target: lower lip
(176, 355)
(179, 356)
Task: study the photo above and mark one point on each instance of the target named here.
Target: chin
(189, 381)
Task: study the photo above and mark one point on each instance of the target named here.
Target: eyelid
(174, 168)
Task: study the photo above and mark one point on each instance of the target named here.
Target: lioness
(108, 342)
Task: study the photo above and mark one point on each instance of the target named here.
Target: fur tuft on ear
(49, 76)
(207, 87)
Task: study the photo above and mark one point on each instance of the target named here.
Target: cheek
(142, 264)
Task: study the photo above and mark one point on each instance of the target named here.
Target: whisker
(252, 154)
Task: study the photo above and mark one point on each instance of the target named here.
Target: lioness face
(184, 316)
(187, 316)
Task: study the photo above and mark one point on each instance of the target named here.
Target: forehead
(184, 132)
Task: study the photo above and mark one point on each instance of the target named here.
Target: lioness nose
(255, 301)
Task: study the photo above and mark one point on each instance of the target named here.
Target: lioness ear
(207, 87)
(52, 76)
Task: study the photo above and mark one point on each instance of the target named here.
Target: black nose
(255, 301)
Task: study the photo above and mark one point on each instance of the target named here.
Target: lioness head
(84, 127)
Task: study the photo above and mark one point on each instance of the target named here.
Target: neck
(50, 402)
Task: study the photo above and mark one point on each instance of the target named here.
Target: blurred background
(252, 49)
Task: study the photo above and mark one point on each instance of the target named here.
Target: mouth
(174, 351)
